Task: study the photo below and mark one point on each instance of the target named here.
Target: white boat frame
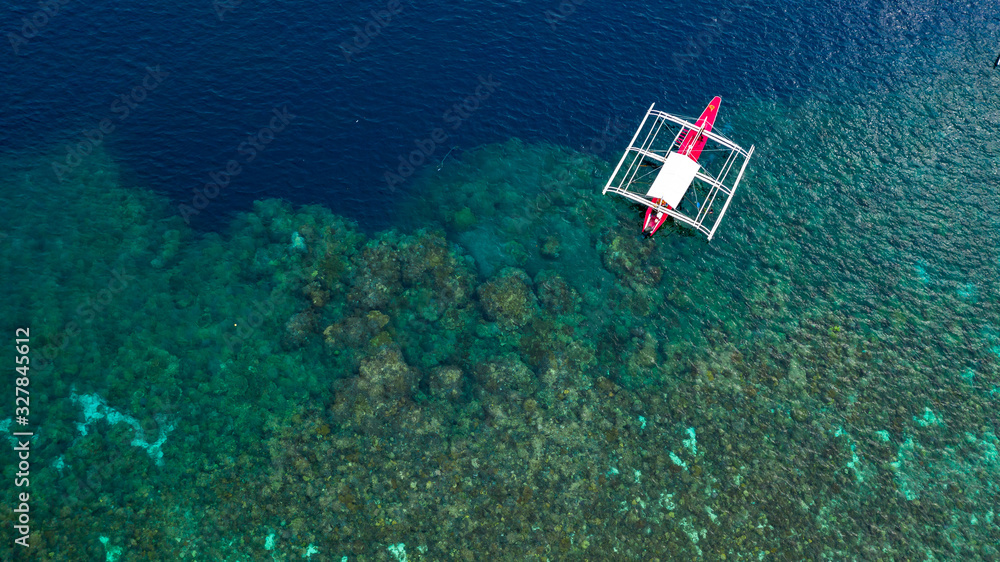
(635, 186)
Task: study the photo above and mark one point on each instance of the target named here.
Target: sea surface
(292, 281)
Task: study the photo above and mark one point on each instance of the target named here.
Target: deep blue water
(566, 72)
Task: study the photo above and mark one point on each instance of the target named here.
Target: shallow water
(493, 364)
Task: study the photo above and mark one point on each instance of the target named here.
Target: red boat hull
(691, 145)
(693, 141)
(653, 221)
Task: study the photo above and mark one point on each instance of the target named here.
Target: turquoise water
(513, 373)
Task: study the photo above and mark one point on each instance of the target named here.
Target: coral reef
(508, 299)
(385, 377)
(556, 295)
(379, 280)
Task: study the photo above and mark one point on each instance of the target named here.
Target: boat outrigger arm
(660, 171)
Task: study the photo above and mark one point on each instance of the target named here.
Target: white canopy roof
(673, 179)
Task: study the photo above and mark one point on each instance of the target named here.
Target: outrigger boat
(668, 178)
